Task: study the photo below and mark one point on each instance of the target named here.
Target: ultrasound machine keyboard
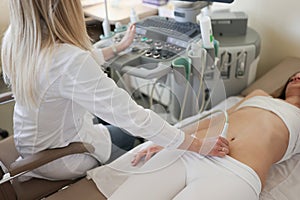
(187, 28)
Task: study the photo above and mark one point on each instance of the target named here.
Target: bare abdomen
(258, 138)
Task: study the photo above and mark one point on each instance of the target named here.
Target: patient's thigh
(217, 187)
(154, 182)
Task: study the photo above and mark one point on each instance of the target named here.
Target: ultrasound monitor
(187, 10)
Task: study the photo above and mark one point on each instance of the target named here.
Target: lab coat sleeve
(87, 85)
(98, 56)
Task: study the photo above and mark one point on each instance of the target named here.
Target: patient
(262, 131)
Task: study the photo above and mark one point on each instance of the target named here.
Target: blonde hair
(36, 26)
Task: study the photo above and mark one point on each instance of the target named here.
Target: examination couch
(280, 175)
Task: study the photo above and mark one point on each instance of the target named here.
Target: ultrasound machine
(161, 64)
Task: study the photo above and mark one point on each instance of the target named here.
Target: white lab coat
(72, 85)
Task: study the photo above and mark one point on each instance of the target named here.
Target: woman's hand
(111, 51)
(128, 38)
(146, 153)
(214, 146)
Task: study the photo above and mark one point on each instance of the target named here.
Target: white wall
(4, 20)
(278, 23)
(6, 111)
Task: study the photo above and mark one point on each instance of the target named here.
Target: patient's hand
(146, 153)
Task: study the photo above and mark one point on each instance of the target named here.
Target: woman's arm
(85, 84)
(213, 146)
(110, 52)
(196, 126)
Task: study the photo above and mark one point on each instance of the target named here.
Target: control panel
(162, 38)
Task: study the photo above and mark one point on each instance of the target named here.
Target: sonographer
(55, 75)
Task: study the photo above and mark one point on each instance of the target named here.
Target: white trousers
(188, 178)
